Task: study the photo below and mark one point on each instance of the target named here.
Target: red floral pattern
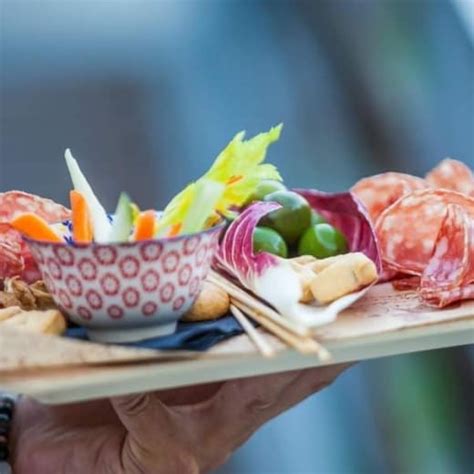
(65, 256)
(115, 312)
(110, 284)
(167, 292)
(129, 266)
(149, 309)
(74, 285)
(131, 297)
(84, 313)
(178, 303)
(171, 261)
(94, 299)
(151, 251)
(102, 283)
(88, 269)
(150, 280)
(105, 255)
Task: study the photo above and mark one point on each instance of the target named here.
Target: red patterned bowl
(127, 292)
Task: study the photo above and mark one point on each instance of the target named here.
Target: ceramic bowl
(127, 292)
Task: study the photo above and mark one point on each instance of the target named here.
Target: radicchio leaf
(273, 279)
(347, 213)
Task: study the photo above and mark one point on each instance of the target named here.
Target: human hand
(188, 430)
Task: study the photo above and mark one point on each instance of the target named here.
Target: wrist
(6, 415)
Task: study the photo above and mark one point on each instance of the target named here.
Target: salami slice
(15, 257)
(13, 203)
(408, 230)
(405, 284)
(450, 271)
(380, 191)
(452, 174)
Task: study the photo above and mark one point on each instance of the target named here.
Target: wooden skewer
(250, 301)
(303, 344)
(295, 336)
(262, 345)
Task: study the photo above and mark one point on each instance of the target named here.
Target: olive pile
(294, 229)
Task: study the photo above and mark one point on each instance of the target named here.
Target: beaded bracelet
(6, 413)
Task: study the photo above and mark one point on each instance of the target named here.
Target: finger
(243, 405)
(226, 420)
(156, 440)
(142, 415)
(189, 395)
(251, 395)
(309, 381)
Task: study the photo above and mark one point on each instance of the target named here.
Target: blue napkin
(188, 336)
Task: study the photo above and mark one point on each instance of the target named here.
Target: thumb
(154, 442)
(143, 415)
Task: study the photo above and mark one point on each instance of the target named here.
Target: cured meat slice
(404, 284)
(380, 191)
(15, 257)
(452, 174)
(407, 230)
(445, 297)
(13, 203)
(449, 275)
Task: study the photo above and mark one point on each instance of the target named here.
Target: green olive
(268, 240)
(317, 218)
(322, 241)
(292, 218)
(264, 187)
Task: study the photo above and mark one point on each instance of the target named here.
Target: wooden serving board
(383, 323)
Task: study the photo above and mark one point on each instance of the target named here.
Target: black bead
(3, 452)
(7, 402)
(5, 418)
(6, 410)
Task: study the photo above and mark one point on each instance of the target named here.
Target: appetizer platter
(237, 276)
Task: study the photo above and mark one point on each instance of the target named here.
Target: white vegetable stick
(100, 221)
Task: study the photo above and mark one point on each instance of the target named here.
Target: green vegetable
(268, 240)
(322, 241)
(123, 220)
(100, 221)
(292, 219)
(238, 168)
(206, 195)
(317, 219)
(265, 187)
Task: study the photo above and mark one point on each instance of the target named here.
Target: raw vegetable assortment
(228, 184)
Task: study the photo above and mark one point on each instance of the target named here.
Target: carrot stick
(175, 229)
(145, 226)
(35, 227)
(81, 224)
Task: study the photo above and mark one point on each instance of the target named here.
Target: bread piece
(7, 313)
(321, 264)
(28, 297)
(346, 274)
(305, 275)
(303, 260)
(212, 303)
(44, 322)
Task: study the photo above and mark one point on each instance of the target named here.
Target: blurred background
(146, 93)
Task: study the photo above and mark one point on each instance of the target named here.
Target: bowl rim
(41, 243)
